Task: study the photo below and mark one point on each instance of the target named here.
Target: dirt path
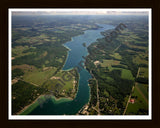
(97, 97)
(128, 100)
(116, 48)
(31, 83)
(97, 94)
(94, 108)
(131, 92)
(138, 72)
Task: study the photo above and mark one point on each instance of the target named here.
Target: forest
(115, 66)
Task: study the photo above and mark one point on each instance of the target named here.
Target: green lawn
(126, 74)
(106, 93)
(144, 89)
(107, 63)
(63, 82)
(18, 51)
(39, 77)
(109, 79)
(67, 79)
(140, 104)
(116, 56)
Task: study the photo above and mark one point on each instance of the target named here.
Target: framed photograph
(80, 64)
(83, 64)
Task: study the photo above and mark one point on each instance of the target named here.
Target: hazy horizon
(77, 12)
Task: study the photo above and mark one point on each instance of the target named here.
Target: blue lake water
(77, 50)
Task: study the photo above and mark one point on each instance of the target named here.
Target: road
(116, 48)
(128, 100)
(97, 97)
(97, 106)
(131, 93)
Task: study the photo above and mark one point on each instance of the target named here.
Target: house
(132, 101)
(96, 63)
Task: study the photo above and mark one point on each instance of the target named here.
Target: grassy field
(109, 79)
(130, 37)
(65, 85)
(144, 89)
(38, 76)
(143, 72)
(116, 56)
(106, 93)
(126, 74)
(34, 39)
(60, 60)
(107, 63)
(140, 107)
(64, 82)
(25, 67)
(18, 51)
(134, 46)
(68, 83)
(139, 60)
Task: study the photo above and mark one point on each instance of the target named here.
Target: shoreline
(66, 47)
(25, 108)
(56, 99)
(59, 98)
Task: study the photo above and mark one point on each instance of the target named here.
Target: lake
(77, 50)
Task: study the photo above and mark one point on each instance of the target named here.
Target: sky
(79, 12)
